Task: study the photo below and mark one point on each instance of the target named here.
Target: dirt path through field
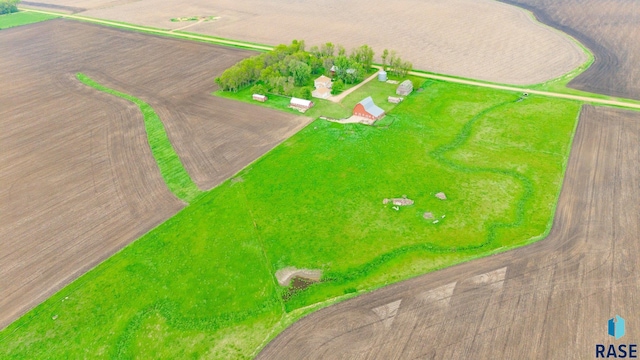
(550, 300)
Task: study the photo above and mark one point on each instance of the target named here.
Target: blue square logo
(616, 327)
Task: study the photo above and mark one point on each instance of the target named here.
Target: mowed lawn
(202, 284)
(22, 18)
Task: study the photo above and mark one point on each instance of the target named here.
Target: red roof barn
(367, 109)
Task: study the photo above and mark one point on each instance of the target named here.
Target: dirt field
(481, 39)
(77, 179)
(610, 29)
(550, 300)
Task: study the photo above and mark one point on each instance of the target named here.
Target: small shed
(367, 109)
(382, 75)
(395, 100)
(321, 93)
(300, 104)
(322, 82)
(405, 88)
(259, 97)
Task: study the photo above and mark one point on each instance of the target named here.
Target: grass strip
(171, 168)
(22, 18)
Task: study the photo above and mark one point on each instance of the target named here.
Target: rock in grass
(403, 201)
(441, 196)
(428, 215)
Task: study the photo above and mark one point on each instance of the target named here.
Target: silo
(382, 75)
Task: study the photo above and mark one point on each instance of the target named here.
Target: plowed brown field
(481, 39)
(609, 28)
(77, 178)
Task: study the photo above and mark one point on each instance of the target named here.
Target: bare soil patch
(518, 302)
(609, 28)
(286, 275)
(298, 284)
(481, 39)
(78, 180)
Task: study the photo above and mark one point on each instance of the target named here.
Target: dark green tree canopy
(290, 69)
(8, 6)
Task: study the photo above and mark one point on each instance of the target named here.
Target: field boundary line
(626, 103)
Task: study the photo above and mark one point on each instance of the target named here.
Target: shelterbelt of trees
(8, 6)
(290, 69)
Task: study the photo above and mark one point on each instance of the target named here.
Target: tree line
(8, 6)
(393, 64)
(290, 69)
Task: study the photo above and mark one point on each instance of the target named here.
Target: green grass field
(202, 284)
(171, 169)
(22, 18)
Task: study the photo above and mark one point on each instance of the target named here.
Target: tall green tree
(342, 64)
(327, 63)
(385, 56)
(300, 72)
(8, 6)
(337, 87)
(327, 50)
(363, 55)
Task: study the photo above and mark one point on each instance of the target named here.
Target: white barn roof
(300, 102)
(370, 107)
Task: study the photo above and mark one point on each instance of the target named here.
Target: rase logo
(616, 329)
